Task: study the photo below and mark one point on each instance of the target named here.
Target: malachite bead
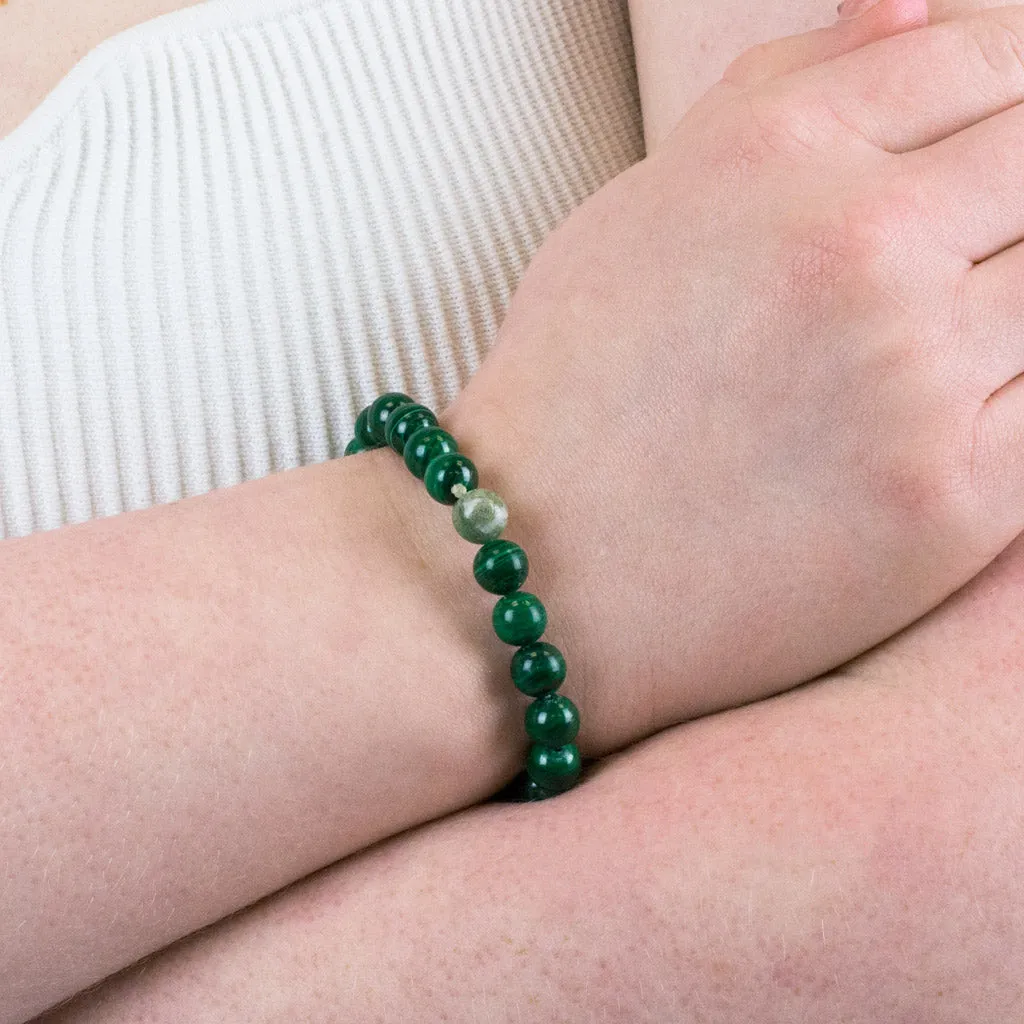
(380, 409)
(555, 769)
(519, 618)
(538, 669)
(532, 792)
(480, 516)
(444, 472)
(501, 567)
(552, 720)
(362, 431)
(355, 446)
(424, 446)
(404, 422)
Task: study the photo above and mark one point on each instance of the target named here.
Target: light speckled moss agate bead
(519, 618)
(554, 769)
(379, 411)
(480, 516)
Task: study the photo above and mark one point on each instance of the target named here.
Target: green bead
(552, 720)
(480, 516)
(519, 618)
(445, 472)
(538, 669)
(404, 422)
(380, 410)
(355, 446)
(555, 769)
(362, 430)
(424, 446)
(532, 792)
(501, 567)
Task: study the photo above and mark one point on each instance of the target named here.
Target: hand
(754, 406)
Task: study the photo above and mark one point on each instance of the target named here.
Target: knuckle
(855, 248)
(750, 66)
(907, 489)
(999, 49)
(920, 485)
(989, 450)
(817, 256)
(881, 227)
(763, 129)
(927, 473)
(871, 231)
(873, 236)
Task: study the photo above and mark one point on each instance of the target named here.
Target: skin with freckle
(776, 855)
(848, 852)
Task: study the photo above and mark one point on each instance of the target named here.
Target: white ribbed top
(229, 228)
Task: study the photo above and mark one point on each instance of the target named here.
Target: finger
(785, 56)
(997, 458)
(970, 185)
(916, 88)
(992, 319)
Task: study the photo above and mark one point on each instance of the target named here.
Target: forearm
(652, 639)
(845, 853)
(203, 702)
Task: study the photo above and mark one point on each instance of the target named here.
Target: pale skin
(232, 831)
(683, 47)
(848, 852)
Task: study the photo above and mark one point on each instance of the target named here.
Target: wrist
(455, 693)
(549, 524)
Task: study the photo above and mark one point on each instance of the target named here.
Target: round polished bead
(424, 446)
(480, 516)
(552, 720)
(355, 446)
(501, 567)
(444, 472)
(538, 669)
(404, 422)
(519, 618)
(380, 410)
(362, 431)
(555, 769)
(532, 792)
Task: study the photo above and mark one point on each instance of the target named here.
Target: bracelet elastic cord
(480, 516)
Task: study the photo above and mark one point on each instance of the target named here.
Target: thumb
(860, 22)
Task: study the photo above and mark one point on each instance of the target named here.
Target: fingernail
(850, 9)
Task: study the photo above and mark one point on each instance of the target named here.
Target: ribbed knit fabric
(229, 228)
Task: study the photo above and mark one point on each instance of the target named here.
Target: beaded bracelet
(538, 669)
